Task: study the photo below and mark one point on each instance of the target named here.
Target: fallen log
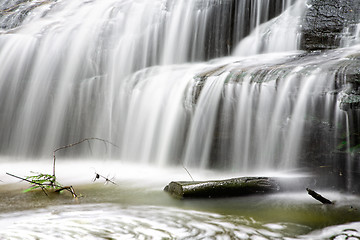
(222, 188)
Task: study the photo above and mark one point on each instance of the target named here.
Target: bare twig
(44, 190)
(97, 176)
(68, 188)
(46, 181)
(187, 172)
(318, 197)
(76, 143)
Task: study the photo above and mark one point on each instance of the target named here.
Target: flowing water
(218, 86)
(137, 208)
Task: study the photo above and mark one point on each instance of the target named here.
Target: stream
(138, 208)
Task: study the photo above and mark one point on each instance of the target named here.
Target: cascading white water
(351, 36)
(72, 58)
(268, 109)
(279, 34)
(106, 68)
(134, 72)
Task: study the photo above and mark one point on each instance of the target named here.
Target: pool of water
(138, 208)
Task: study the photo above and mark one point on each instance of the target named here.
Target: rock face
(325, 22)
(13, 12)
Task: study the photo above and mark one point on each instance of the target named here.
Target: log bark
(222, 188)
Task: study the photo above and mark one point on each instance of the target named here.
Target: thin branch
(44, 190)
(35, 183)
(73, 192)
(41, 185)
(188, 172)
(68, 188)
(77, 143)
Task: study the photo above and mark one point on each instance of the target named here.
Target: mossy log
(222, 188)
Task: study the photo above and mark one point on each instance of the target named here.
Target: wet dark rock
(350, 101)
(13, 12)
(348, 75)
(325, 20)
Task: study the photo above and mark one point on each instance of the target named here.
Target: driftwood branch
(77, 143)
(318, 197)
(68, 188)
(43, 186)
(32, 182)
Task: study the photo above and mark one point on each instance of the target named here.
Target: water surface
(138, 208)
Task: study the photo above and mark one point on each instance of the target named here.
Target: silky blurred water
(138, 208)
(74, 69)
(114, 221)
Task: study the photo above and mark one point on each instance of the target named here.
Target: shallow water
(138, 208)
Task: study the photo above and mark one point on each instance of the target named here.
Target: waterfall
(137, 73)
(275, 111)
(351, 35)
(279, 34)
(72, 58)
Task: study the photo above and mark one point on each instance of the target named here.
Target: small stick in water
(188, 172)
(318, 197)
(97, 176)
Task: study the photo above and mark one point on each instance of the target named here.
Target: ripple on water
(113, 221)
(350, 231)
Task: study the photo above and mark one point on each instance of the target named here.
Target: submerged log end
(175, 189)
(222, 188)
